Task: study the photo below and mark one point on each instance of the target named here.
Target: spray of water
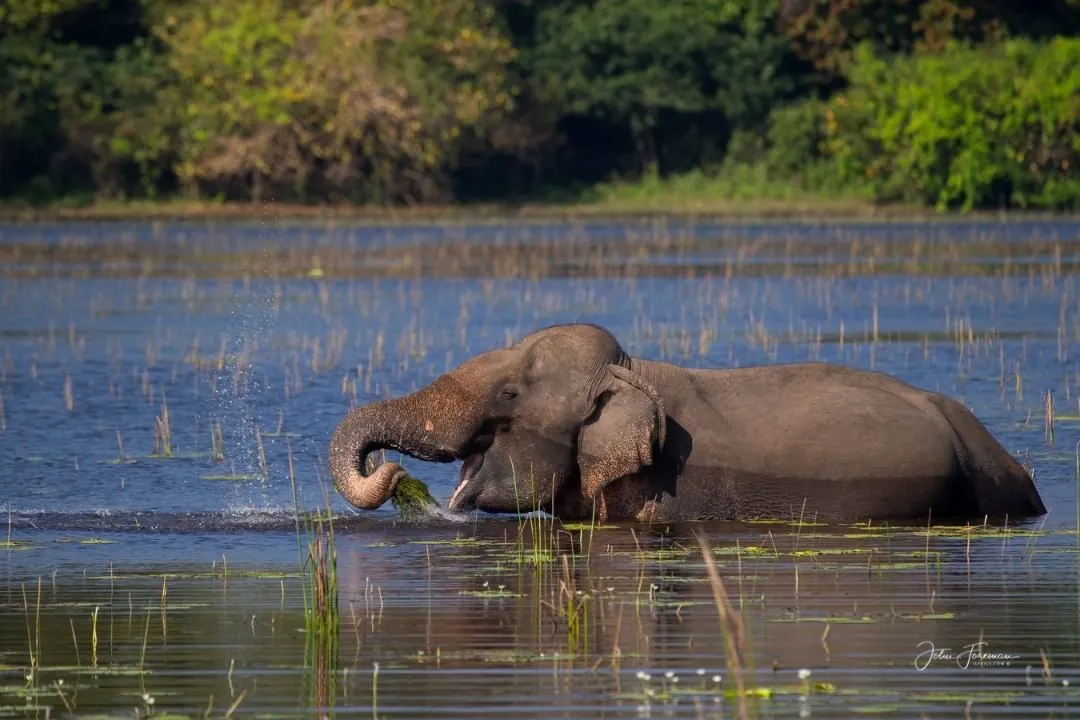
(239, 391)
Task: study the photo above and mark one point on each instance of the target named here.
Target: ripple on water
(192, 575)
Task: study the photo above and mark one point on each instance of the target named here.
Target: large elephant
(565, 421)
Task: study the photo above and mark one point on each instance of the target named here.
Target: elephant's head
(549, 421)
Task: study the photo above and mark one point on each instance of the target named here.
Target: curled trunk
(432, 424)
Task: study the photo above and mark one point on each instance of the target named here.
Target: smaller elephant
(565, 421)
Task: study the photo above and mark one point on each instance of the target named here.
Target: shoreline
(735, 211)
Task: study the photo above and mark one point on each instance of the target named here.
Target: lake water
(167, 393)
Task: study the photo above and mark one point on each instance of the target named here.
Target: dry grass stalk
(731, 627)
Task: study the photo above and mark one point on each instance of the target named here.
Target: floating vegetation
(577, 526)
(862, 619)
(85, 541)
(176, 455)
(233, 477)
(102, 670)
(787, 523)
(119, 461)
(458, 541)
(232, 572)
(512, 657)
(499, 592)
(10, 544)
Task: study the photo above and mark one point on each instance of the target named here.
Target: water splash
(239, 393)
(450, 515)
(425, 514)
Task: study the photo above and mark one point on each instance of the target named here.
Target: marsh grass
(163, 445)
(577, 613)
(736, 303)
(264, 472)
(574, 608)
(322, 617)
(731, 628)
(217, 442)
(317, 556)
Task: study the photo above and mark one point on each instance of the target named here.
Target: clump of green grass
(411, 497)
(322, 616)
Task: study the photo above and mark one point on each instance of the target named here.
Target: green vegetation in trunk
(412, 498)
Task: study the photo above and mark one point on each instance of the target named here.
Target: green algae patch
(234, 477)
(411, 497)
(17, 545)
(491, 593)
(575, 526)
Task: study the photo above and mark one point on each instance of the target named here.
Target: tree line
(951, 103)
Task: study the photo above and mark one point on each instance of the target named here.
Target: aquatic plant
(322, 615)
(411, 497)
(163, 445)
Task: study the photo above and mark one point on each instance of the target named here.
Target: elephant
(566, 422)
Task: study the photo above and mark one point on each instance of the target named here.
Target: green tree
(346, 99)
(630, 62)
(827, 31)
(968, 127)
(76, 77)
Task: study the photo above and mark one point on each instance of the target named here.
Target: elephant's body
(565, 421)
(760, 441)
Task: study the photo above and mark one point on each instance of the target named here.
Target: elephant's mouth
(459, 501)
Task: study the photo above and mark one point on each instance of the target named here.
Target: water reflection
(185, 566)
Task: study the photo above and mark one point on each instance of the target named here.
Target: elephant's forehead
(579, 341)
(554, 354)
(485, 366)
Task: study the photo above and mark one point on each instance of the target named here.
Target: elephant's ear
(624, 433)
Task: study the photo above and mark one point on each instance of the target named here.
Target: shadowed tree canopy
(827, 31)
(637, 65)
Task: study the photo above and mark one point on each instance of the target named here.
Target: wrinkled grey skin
(565, 421)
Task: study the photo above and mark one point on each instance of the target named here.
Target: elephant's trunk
(431, 424)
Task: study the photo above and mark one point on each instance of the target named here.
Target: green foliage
(23, 14)
(72, 114)
(983, 127)
(368, 99)
(827, 32)
(632, 60)
(796, 134)
(742, 186)
(412, 498)
(402, 101)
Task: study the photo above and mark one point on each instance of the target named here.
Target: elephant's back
(817, 420)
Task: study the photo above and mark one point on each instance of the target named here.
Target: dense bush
(989, 127)
(365, 100)
(638, 64)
